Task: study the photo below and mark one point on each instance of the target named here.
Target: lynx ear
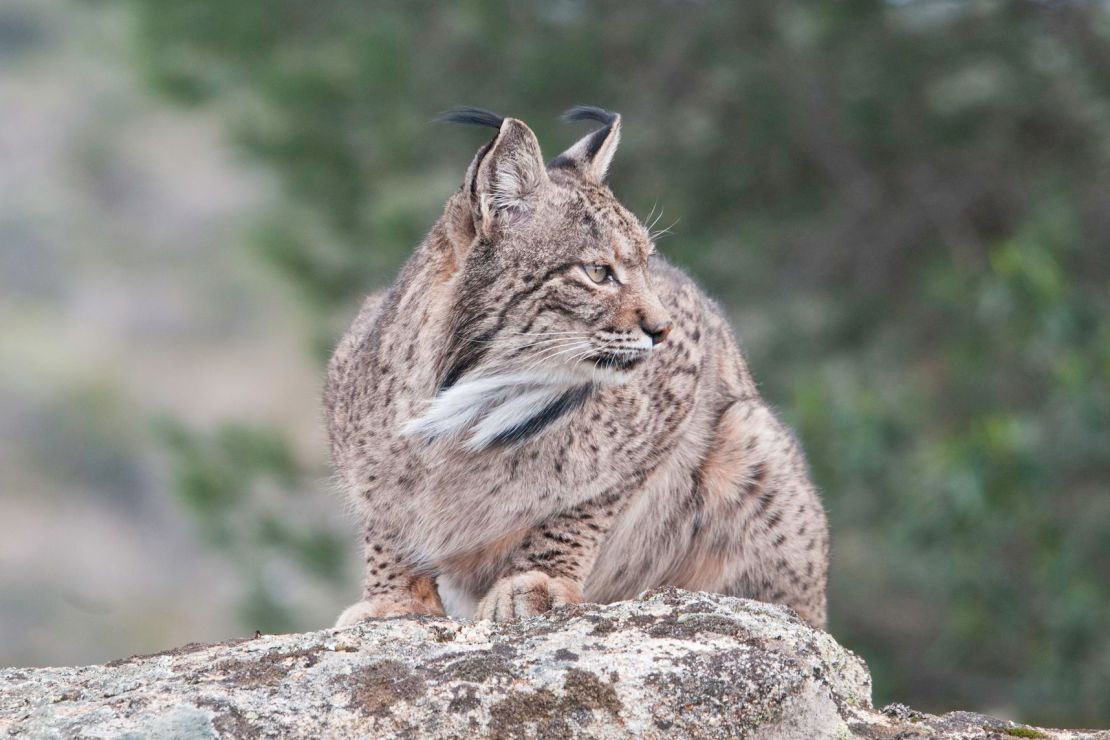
(593, 153)
(505, 172)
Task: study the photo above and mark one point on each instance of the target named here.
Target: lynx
(541, 411)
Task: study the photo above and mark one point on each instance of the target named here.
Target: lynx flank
(542, 411)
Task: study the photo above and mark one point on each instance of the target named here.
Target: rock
(670, 664)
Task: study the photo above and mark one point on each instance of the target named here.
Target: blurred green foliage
(240, 484)
(905, 205)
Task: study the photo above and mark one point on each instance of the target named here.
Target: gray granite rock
(670, 664)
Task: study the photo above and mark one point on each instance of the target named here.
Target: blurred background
(905, 207)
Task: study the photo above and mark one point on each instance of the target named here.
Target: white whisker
(538, 336)
(512, 344)
(546, 333)
(549, 355)
(580, 356)
(652, 213)
(550, 347)
(663, 232)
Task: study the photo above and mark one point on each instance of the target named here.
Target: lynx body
(541, 411)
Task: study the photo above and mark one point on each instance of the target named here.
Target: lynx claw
(526, 595)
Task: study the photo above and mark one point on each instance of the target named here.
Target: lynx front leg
(551, 565)
(391, 588)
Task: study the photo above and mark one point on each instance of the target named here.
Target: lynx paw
(526, 595)
(388, 606)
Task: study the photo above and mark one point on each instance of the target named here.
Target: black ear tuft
(472, 117)
(589, 113)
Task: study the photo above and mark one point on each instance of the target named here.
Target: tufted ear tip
(470, 116)
(518, 128)
(592, 154)
(590, 113)
(506, 172)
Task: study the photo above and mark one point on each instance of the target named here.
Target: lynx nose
(657, 330)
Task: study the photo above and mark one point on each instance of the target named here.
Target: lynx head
(553, 269)
(552, 292)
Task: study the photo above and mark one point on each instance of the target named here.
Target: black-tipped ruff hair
(589, 113)
(472, 117)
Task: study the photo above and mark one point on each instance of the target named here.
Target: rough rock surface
(671, 664)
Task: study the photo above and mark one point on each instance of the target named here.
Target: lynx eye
(598, 273)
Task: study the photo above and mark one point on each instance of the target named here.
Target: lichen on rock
(669, 664)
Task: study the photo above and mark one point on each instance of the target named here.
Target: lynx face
(553, 292)
(579, 294)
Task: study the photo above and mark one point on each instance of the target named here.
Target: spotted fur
(517, 434)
